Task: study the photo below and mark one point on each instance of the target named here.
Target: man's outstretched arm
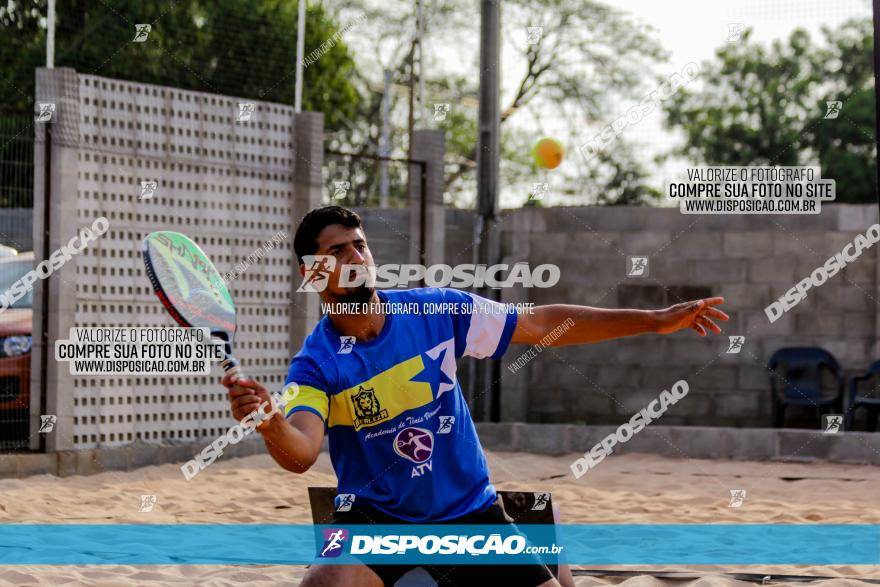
(583, 324)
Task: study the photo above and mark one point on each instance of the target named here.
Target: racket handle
(231, 366)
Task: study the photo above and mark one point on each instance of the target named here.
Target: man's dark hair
(305, 242)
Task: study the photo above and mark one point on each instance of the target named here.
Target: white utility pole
(300, 49)
(420, 34)
(50, 36)
(385, 141)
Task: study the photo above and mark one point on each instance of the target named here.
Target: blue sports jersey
(401, 435)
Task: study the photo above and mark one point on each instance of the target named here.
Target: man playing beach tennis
(383, 385)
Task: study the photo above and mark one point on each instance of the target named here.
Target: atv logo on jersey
(416, 445)
(366, 408)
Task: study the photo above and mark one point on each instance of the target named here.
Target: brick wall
(750, 260)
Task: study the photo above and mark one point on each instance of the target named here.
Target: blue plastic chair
(871, 404)
(801, 371)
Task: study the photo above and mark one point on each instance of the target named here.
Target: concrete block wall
(692, 442)
(230, 184)
(388, 233)
(750, 260)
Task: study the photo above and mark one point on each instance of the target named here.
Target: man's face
(349, 247)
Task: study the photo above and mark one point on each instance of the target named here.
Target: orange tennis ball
(548, 153)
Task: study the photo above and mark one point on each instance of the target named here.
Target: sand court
(637, 489)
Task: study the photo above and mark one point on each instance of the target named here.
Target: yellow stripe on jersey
(381, 398)
(310, 397)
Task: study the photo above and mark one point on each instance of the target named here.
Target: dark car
(15, 355)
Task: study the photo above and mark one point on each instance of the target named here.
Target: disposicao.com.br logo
(448, 544)
(426, 543)
(465, 275)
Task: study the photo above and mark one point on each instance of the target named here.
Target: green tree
(230, 47)
(845, 145)
(243, 49)
(622, 180)
(762, 105)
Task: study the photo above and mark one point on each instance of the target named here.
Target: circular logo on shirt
(414, 444)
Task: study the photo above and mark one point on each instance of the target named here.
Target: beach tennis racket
(191, 289)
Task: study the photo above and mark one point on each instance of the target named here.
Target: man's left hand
(696, 315)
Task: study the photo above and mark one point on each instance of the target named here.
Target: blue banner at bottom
(584, 544)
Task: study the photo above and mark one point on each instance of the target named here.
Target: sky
(691, 29)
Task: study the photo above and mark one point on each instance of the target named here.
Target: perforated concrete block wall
(227, 183)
